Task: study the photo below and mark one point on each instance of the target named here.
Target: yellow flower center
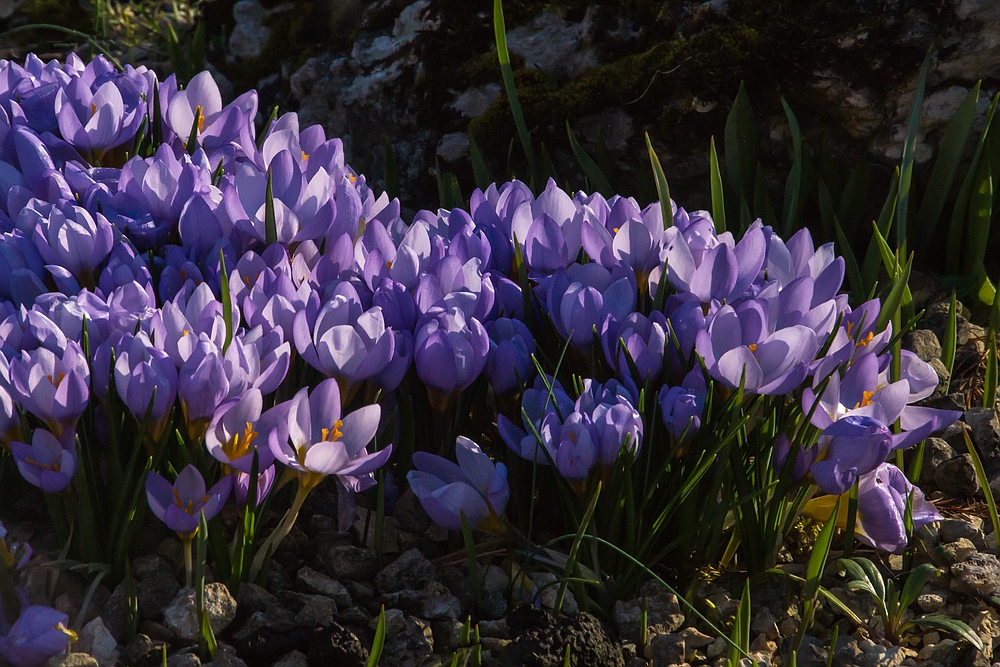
(199, 113)
(191, 504)
(866, 399)
(54, 466)
(57, 380)
(333, 434)
(239, 445)
(867, 339)
(753, 348)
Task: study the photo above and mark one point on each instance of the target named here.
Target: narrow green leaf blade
(718, 193)
(662, 188)
(500, 33)
(379, 642)
(906, 169)
(598, 181)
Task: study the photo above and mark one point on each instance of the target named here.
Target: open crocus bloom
(475, 487)
(38, 634)
(179, 505)
(882, 499)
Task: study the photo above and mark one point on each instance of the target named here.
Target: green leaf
(500, 33)
(177, 60)
(718, 193)
(566, 657)
(814, 572)
(959, 213)
(762, 200)
(206, 641)
(662, 189)
(575, 549)
(950, 151)
(267, 126)
(480, 171)
(793, 184)
(598, 181)
(990, 379)
(192, 142)
(892, 302)
(853, 273)
(470, 557)
(979, 217)
(854, 198)
(390, 171)
(869, 269)
(906, 169)
(741, 628)
(270, 225)
(984, 482)
(950, 625)
(915, 582)
(949, 343)
(741, 146)
(379, 642)
(198, 47)
(227, 302)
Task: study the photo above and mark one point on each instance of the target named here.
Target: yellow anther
(753, 348)
(93, 108)
(305, 156)
(200, 115)
(185, 332)
(332, 434)
(54, 466)
(850, 328)
(867, 339)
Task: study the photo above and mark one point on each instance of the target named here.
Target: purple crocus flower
(179, 505)
(644, 338)
(237, 430)
(883, 495)
(681, 407)
(38, 634)
(146, 380)
(509, 364)
(202, 385)
(537, 404)
(475, 487)
(52, 387)
(241, 485)
(848, 448)
(450, 350)
(101, 120)
(74, 239)
(325, 442)
(48, 462)
(572, 445)
(581, 297)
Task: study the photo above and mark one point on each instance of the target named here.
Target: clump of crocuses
(227, 296)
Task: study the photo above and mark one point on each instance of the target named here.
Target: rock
(951, 530)
(453, 146)
(336, 645)
(547, 589)
(155, 585)
(249, 35)
(143, 651)
(94, 638)
(956, 477)
(181, 615)
(226, 657)
(558, 47)
(540, 640)
(411, 645)
(318, 611)
(936, 452)
(666, 649)
(923, 343)
(185, 659)
(932, 602)
(812, 653)
(984, 427)
(293, 659)
(71, 660)
(978, 575)
(473, 102)
(882, 656)
(662, 610)
(311, 581)
(349, 562)
(410, 571)
(763, 622)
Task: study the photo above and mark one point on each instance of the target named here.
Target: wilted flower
(476, 487)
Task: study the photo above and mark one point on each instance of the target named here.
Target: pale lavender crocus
(48, 462)
(474, 487)
(883, 496)
(38, 634)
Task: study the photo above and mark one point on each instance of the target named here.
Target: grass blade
(206, 642)
(500, 33)
(480, 171)
(869, 269)
(741, 628)
(597, 180)
(814, 572)
(949, 342)
(892, 302)
(953, 143)
(270, 225)
(390, 171)
(984, 482)
(227, 302)
(379, 642)
(853, 272)
(662, 188)
(793, 184)
(741, 146)
(906, 169)
(978, 219)
(575, 549)
(718, 193)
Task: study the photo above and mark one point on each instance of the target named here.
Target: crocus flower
(235, 433)
(75, 239)
(450, 350)
(509, 364)
(582, 296)
(146, 380)
(475, 487)
(202, 385)
(179, 505)
(644, 338)
(848, 448)
(883, 495)
(325, 442)
(38, 634)
(47, 462)
(52, 387)
(97, 121)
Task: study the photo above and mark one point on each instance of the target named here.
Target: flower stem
(188, 563)
(281, 531)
